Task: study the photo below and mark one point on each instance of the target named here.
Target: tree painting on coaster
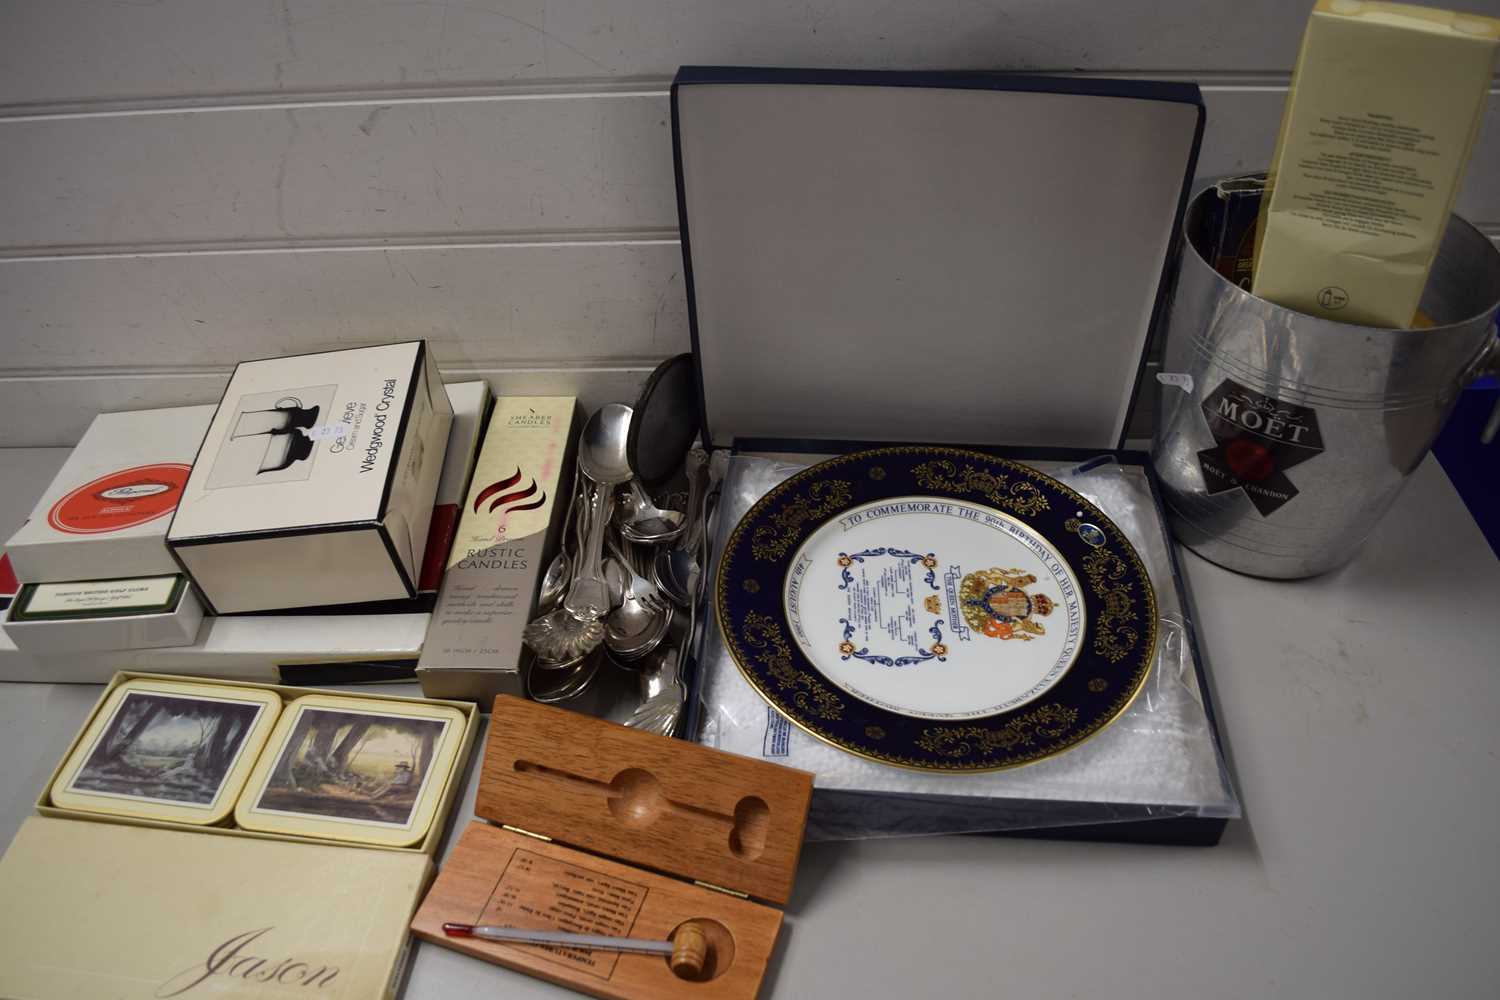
(353, 766)
(167, 748)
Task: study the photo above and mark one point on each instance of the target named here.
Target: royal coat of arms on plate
(996, 603)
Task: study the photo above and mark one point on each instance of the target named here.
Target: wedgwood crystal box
(943, 258)
(315, 482)
(106, 512)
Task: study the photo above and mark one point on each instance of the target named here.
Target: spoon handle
(690, 537)
(570, 532)
(588, 597)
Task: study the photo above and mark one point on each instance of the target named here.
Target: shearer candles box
(107, 511)
(506, 534)
(315, 482)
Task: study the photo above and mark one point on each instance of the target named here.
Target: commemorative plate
(936, 608)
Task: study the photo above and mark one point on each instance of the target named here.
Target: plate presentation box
(874, 258)
(315, 482)
(595, 828)
(107, 510)
(142, 909)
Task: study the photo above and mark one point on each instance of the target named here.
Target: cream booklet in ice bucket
(877, 258)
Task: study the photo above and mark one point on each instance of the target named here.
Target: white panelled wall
(186, 183)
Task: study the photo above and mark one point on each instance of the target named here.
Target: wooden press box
(134, 907)
(600, 829)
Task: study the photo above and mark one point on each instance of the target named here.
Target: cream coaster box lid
(135, 913)
(107, 510)
(315, 482)
(152, 612)
(168, 750)
(355, 769)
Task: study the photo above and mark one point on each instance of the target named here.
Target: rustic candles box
(507, 532)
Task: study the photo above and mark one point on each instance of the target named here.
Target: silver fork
(641, 588)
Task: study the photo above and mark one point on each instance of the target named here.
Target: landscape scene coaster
(165, 750)
(355, 769)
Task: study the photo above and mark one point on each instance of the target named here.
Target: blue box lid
(893, 256)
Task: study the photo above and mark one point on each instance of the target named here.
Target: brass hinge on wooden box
(719, 888)
(525, 833)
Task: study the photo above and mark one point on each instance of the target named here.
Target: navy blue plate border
(1119, 610)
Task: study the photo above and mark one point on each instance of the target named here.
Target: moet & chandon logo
(1259, 438)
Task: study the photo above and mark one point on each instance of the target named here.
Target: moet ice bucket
(1282, 438)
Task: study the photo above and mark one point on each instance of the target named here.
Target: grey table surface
(1362, 712)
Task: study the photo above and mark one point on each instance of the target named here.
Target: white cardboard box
(107, 510)
(275, 649)
(471, 408)
(315, 483)
(87, 616)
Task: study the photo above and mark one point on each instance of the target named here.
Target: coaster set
(370, 771)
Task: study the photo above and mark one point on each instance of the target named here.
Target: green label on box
(97, 598)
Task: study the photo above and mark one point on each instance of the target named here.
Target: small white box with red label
(106, 513)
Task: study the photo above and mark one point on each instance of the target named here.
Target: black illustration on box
(1258, 439)
(273, 437)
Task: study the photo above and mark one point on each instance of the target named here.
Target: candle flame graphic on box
(512, 502)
